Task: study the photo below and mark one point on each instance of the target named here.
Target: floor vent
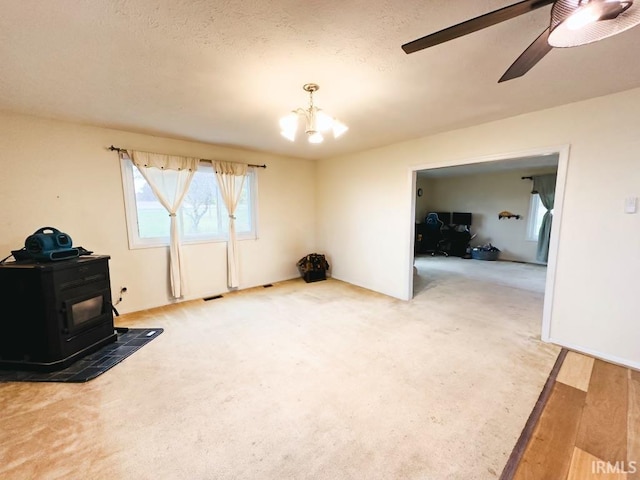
(268, 285)
(215, 297)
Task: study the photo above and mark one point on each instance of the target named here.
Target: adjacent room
(484, 212)
(215, 256)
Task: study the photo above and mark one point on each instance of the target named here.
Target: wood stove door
(85, 311)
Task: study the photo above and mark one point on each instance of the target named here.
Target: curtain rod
(527, 178)
(118, 149)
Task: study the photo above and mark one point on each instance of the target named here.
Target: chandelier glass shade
(316, 121)
(578, 22)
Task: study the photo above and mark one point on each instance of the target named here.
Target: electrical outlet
(123, 290)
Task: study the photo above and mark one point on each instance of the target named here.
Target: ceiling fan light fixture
(583, 17)
(579, 22)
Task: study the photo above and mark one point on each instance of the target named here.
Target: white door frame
(563, 164)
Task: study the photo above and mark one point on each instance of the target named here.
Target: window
(203, 215)
(536, 213)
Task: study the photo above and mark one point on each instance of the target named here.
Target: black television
(459, 218)
(444, 217)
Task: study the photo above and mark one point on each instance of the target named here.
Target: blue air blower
(50, 244)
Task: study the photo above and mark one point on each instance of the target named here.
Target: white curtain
(545, 186)
(231, 177)
(169, 177)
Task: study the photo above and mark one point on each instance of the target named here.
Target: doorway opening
(493, 195)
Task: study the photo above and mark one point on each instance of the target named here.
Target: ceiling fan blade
(475, 24)
(532, 55)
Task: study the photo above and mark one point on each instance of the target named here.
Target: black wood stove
(54, 313)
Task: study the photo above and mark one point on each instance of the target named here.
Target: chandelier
(316, 121)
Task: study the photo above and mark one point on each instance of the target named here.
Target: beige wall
(365, 213)
(485, 195)
(62, 175)
(423, 203)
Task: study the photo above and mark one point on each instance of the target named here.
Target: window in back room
(536, 214)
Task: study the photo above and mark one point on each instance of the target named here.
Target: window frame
(131, 213)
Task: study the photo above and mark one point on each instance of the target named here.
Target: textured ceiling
(225, 71)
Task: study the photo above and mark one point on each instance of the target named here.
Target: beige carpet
(303, 381)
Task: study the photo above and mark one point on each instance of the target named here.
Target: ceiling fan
(573, 23)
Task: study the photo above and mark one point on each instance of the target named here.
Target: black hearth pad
(90, 366)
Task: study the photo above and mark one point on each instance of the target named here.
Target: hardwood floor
(589, 427)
